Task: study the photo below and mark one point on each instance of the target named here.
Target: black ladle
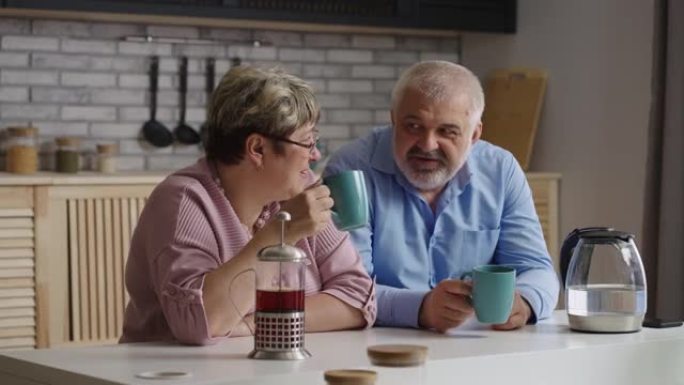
(183, 132)
(209, 88)
(153, 131)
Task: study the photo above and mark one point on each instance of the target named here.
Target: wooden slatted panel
(24, 252)
(83, 276)
(100, 263)
(110, 281)
(18, 312)
(19, 331)
(16, 242)
(125, 232)
(17, 276)
(74, 278)
(100, 230)
(15, 292)
(10, 212)
(16, 283)
(16, 233)
(541, 202)
(16, 223)
(17, 273)
(119, 258)
(14, 343)
(92, 269)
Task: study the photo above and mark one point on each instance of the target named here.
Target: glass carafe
(605, 284)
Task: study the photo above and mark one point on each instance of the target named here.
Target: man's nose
(428, 142)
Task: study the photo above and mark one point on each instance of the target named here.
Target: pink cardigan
(187, 229)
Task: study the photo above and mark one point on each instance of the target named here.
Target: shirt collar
(383, 154)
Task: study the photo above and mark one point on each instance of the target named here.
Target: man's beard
(426, 179)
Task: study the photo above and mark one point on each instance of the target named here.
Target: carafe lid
(282, 252)
(607, 234)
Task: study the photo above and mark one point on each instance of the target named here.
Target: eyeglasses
(309, 146)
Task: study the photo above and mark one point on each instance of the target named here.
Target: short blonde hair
(438, 79)
(251, 100)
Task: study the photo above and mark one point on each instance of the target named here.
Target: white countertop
(542, 354)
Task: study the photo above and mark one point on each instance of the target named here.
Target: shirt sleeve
(342, 273)
(521, 245)
(395, 306)
(178, 272)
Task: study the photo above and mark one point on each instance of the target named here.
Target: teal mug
(348, 190)
(493, 292)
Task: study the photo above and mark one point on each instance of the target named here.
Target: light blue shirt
(485, 215)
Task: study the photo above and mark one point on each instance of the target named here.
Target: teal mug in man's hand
(348, 190)
(493, 292)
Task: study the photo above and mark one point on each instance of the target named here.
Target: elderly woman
(203, 226)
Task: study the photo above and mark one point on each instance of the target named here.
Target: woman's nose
(315, 154)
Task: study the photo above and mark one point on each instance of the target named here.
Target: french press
(279, 316)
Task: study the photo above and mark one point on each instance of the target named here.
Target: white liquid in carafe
(606, 299)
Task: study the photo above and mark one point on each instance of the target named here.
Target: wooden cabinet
(545, 191)
(63, 245)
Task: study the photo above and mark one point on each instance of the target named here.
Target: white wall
(594, 123)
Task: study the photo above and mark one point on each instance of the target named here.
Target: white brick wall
(84, 79)
(14, 94)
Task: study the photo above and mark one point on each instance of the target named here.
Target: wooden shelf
(82, 178)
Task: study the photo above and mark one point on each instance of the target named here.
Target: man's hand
(446, 306)
(520, 313)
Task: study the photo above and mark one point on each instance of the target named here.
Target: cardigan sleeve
(178, 271)
(342, 273)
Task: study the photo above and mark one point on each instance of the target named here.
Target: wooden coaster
(350, 377)
(397, 355)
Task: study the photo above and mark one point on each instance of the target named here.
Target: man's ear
(477, 132)
(254, 149)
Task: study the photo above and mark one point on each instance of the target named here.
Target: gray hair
(440, 79)
(251, 100)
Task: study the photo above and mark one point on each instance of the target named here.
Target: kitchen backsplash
(86, 79)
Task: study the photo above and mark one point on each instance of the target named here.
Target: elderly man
(442, 201)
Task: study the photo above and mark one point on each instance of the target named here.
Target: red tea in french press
(279, 316)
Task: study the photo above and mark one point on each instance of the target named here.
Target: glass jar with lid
(106, 158)
(68, 154)
(22, 154)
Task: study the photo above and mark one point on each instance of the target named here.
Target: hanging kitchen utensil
(183, 132)
(153, 131)
(209, 88)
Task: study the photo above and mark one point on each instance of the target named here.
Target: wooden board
(513, 103)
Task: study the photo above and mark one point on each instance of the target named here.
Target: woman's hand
(310, 211)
